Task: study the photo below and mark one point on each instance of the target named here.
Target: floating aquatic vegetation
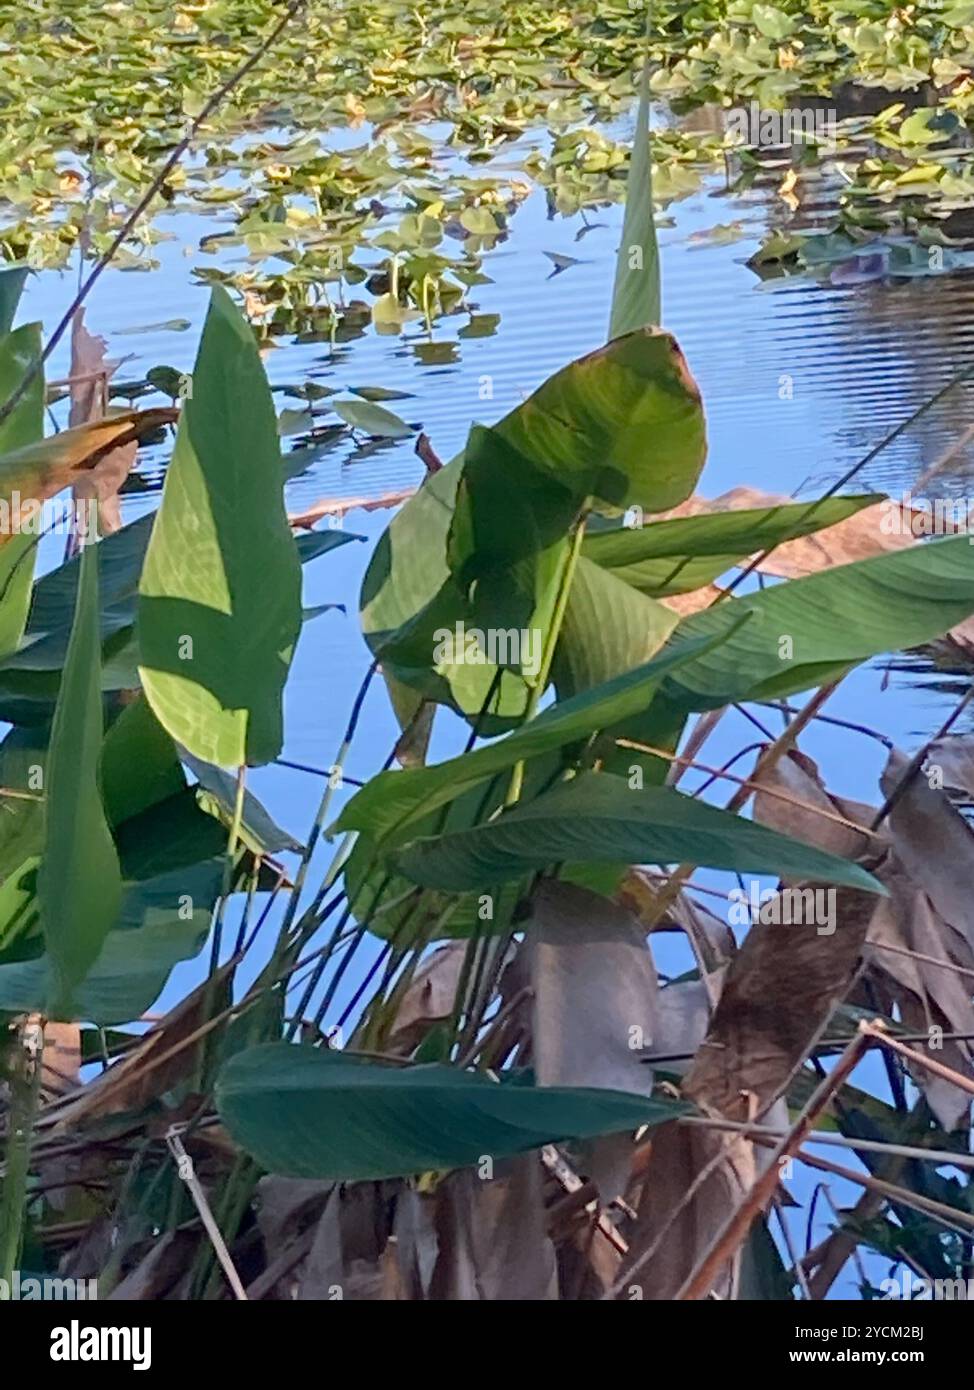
(96, 96)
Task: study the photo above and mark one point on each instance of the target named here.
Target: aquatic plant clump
(549, 1001)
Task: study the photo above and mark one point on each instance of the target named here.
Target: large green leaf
(125, 980)
(139, 765)
(675, 557)
(506, 511)
(809, 630)
(394, 799)
(19, 929)
(313, 1113)
(409, 595)
(609, 628)
(19, 351)
(597, 818)
(28, 677)
(120, 558)
(636, 294)
(23, 768)
(171, 834)
(508, 543)
(79, 884)
(25, 423)
(220, 594)
(622, 425)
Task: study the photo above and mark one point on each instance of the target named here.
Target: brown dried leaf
(413, 744)
(161, 1059)
(429, 999)
(350, 1257)
(953, 760)
(416, 1244)
(808, 814)
(340, 506)
(103, 485)
(89, 373)
(594, 1008)
(285, 1207)
(949, 1103)
(683, 1227)
(491, 1236)
(39, 471)
(935, 846)
(779, 993)
(682, 1021)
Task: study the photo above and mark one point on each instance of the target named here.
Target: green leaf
(220, 594)
(505, 512)
(373, 419)
(312, 1113)
(24, 425)
(380, 393)
(393, 799)
(632, 404)
(678, 556)
(833, 619)
(79, 884)
(636, 294)
(623, 426)
(772, 21)
(597, 818)
(162, 922)
(139, 765)
(169, 835)
(408, 594)
(23, 767)
(12, 280)
(120, 558)
(311, 544)
(609, 628)
(15, 580)
(20, 935)
(217, 795)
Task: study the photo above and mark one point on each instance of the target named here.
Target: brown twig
(729, 1239)
(875, 1030)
